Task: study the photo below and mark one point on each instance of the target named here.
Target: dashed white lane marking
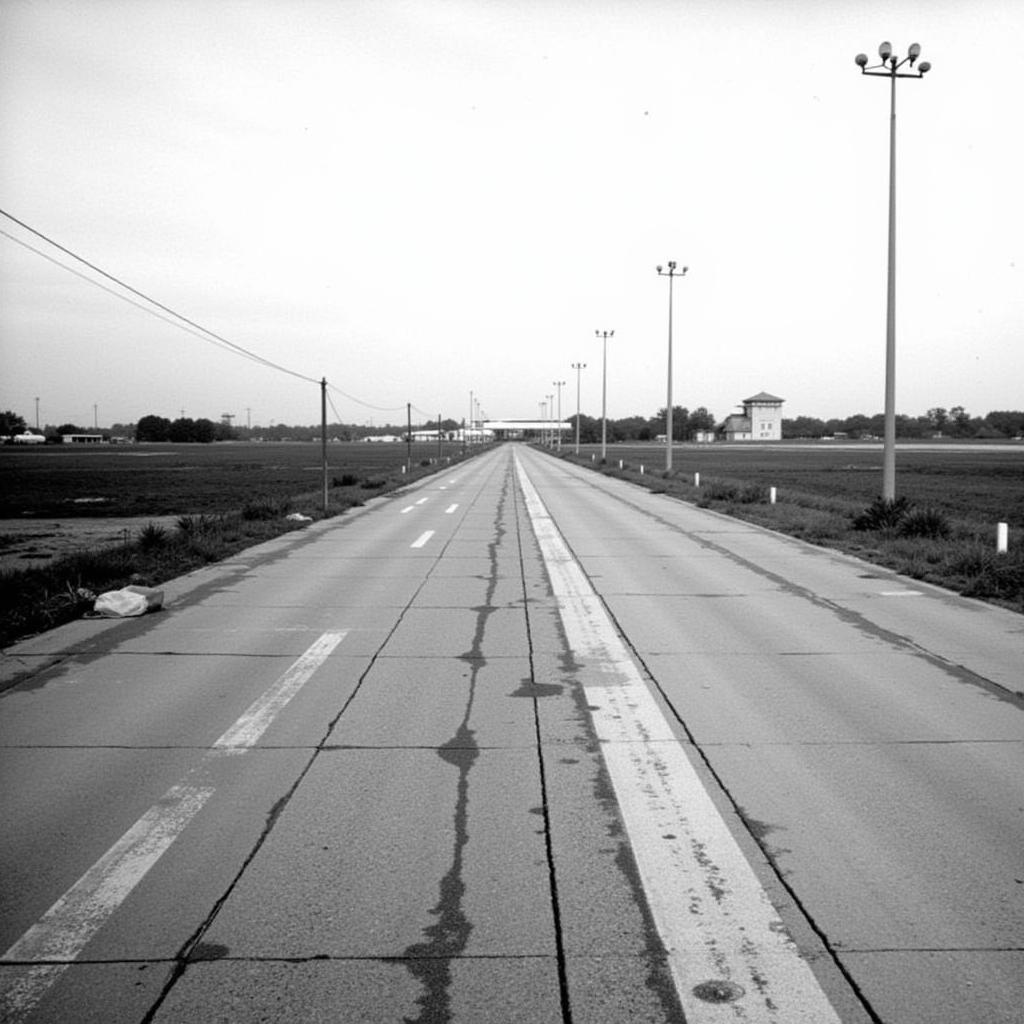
(421, 501)
(251, 726)
(62, 932)
(408, 508)
(59, 936)
(901, 593)
(728, 950)
(422, 539)
(451, 508)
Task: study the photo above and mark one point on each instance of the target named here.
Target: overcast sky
(421, 199)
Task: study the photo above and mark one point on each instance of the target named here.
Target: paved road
(519, 744)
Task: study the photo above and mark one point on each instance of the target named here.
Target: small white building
(761, 420)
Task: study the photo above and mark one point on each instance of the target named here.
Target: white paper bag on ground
(118, 604)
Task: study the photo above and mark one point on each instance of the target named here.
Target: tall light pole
(577, 367)
(604, 335)
(671, 274)
(551, 417)
(543, 406)
(889, 68)
(558, 436)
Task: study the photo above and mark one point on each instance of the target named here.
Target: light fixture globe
(885, 51)
(861, 60)
(924, 66)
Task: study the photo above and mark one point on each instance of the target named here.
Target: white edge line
(715, 919)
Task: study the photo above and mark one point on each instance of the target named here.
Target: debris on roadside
(127, 602)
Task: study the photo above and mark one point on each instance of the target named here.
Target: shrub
(715, 490)
(345, 480)
(151, 537)
(924, 522)
(753, 493)
(882, 514)
(264, 508)
(373, 484)
(193, 526)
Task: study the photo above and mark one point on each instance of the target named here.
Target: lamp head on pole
(885, 51)
(861, 60)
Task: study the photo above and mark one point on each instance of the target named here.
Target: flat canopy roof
(526, 425)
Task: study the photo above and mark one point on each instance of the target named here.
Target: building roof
(737, 423)
(763, 398)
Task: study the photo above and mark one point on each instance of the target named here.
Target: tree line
(954, 422)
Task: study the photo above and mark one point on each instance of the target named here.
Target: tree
(11, 423)
(700, 420)
(204, 431)
(938, 418)
(1008, 423)
(803, 426)
(153, 428)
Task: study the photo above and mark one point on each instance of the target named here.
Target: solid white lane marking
(422, 539)
(255, 721)
(62, 932)
(714, 917)
(451, 508)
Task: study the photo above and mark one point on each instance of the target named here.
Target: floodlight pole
(577, 367)
(558, 437)
(889, 68)
(604, 335)
(670, 274)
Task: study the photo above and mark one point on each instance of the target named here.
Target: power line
(224, 342)
(193, 328)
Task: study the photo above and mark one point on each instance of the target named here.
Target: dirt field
(26, 543)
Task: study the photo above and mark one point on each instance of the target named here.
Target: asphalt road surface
(519, 743)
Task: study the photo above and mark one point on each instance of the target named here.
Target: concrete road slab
(470, 592)
(400, 853)
(268, 632)
(880, 840)
(910, 987)
(694, 576)
(188, 700)
(210, 852)
(827, 698)
(465, 992)
(456, 633)
(423, 702)
(737, 625)
(50, 838)
(90, 993)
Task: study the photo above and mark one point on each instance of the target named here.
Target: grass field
(187, 479)
(973, 483)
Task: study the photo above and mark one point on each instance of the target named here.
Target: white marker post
(1002, 538)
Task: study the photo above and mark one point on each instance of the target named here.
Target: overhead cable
(206, 332)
